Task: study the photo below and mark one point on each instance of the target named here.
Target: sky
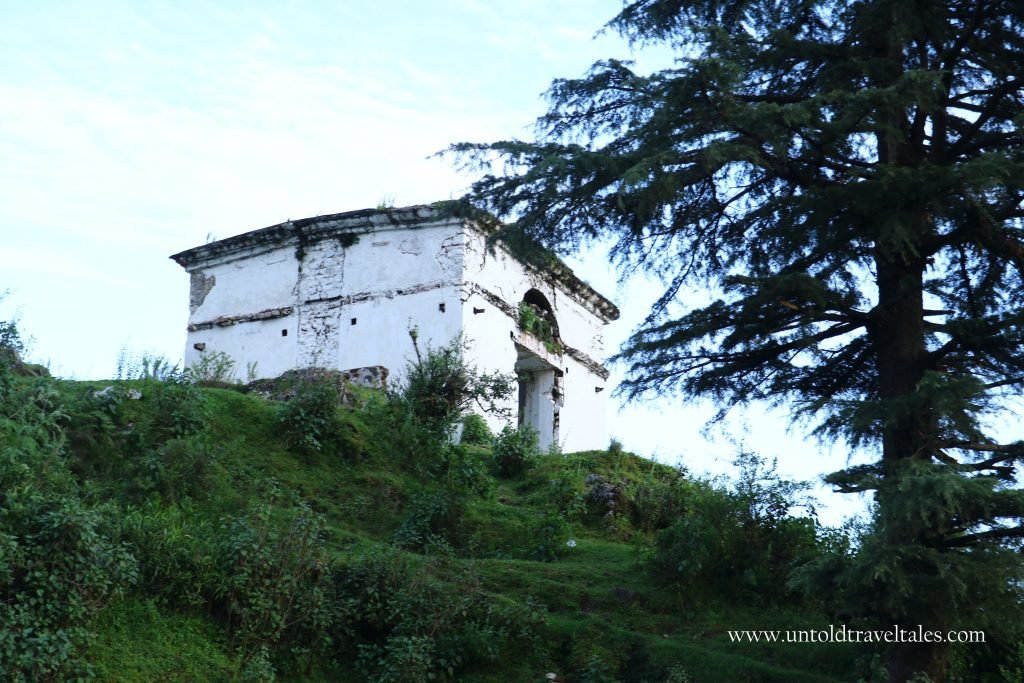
(130, 131)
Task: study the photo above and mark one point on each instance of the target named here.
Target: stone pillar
(538, 404)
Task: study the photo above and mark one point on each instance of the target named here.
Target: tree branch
(991, 534)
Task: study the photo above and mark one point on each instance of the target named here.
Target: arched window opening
(536, 317)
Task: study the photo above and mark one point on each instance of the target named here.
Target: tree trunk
(899, 338)
(904, 660)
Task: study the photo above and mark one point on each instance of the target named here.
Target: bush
(215, 367)
(475, 431)
(431, 519)
(178, 469)
(568, 495)
(271, 576)
(658, 499)
(550, 537)
(60, 565)
(309, 421)
(60, 558)
(403, 624)
(516, 450)
(441, 385)
(175, 547)
(741, 544)
(12, 348)
(179, 408)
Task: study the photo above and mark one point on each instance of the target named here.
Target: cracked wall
(348, 301)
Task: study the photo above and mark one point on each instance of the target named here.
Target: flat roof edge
(364, 221)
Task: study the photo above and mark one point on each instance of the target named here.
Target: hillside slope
(153, 530)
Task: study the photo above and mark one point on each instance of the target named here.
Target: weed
(215, 367)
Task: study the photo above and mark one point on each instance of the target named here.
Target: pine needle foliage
(849, 177)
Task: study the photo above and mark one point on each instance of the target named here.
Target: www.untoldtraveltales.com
(845, 635)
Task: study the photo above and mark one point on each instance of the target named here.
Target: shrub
(61, 559)
(431, 518)
(175, 548)
(442, 384)
(568, 495)
(180, 468)
(741, 544)
(309, 421)
(550, 537)
(404, 624)
(272, 581)
(658, 499)
(215, 367)
(460, 471)
(60, 565)
(475, 431)
(178, 410)
(516, 450)
(12, 348)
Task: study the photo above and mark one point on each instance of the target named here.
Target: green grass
(603, 606)
(137, 641)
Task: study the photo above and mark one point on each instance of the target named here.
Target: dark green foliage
(659, 499)
(175, 547)
(59, 564)
(442, 384)
(309, 420)
(845, 178)
(282, 591)
(61, 559)
(743, 541)
(178, 409)
(148, 435)
(272, 574)
(431, 520)
(549, 537)
(475, 431)
(180, 468)
(406, 625)
(515, 450)
(11, 345)
(568, 495)
(537, 322)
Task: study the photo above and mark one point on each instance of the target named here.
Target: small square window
(353, 322)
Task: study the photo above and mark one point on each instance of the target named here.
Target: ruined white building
(342, 291)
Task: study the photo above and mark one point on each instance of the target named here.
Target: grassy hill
(156, 530)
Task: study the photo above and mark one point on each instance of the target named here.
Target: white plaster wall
(247, 285)
(491, 347)
(380, 335)
(258, 342)
(377, 270)
(397, 259)
(583, 423)
(388, 281)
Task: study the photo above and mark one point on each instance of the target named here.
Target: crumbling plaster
(343, 291)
